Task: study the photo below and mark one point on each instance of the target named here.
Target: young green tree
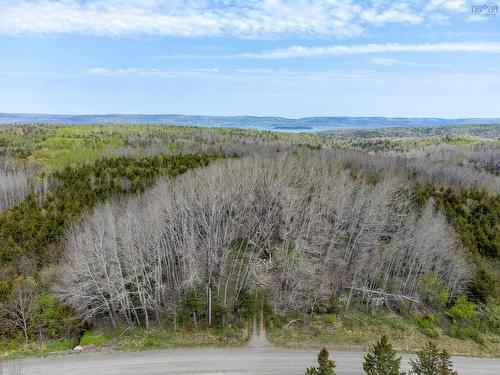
(446, 367)
(325, 367)
(382, 360)
(432, 362)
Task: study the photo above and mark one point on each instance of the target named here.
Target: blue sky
(266, 58)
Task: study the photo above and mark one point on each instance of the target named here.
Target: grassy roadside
(355, 331)
(358, 331)
(129, 338)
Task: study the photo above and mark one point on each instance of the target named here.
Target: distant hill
(245, 122)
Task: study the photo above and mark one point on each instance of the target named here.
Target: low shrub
(90, 338)
(471, 332)
(427, 324)
(330, 319)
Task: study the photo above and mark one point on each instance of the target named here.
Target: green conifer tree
(382, 360)
(432, 362)
(325, 367)
(427, 362)
(445, 365)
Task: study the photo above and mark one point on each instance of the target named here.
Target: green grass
(160, 337)
(130, 338)
(174, 146)
(354, 331)
(54, 159)
(90, 338)
(17, 349)
(358, 331)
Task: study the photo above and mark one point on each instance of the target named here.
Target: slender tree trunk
(146, 318)
(112, 318)
(175, 318)
(209, 306)
(25, 330)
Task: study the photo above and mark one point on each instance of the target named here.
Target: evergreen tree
(445, 365)
(382, 360)
(325, 367)
(432, 362)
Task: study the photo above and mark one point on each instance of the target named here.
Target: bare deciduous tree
(293, 229)
(18, 314)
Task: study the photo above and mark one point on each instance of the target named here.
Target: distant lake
(306, 124)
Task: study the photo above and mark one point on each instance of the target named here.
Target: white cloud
(476, 18)
(200, 18)
(301, 51)
(200, 73)
(190, 18)
(449, 5)
(304, 78)
(384, 61)
(149, 72)
(398, 13)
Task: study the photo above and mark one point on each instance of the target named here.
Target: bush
(483, 286)
(66, 344)
(427, 323)
(492, 317)
(152, 342)
(465, 320)
(11, 344)
(462, 310)
(93, 339)
(335, 305)
(52, 318)
(331, 305)
(471, 332)
(192, 309)
(433, 291)
(246, 306)
(330, 319)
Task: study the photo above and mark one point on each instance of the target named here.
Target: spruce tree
(382, 360)
(445, 365)
(427, 362)
(325, 367)
(432, 362)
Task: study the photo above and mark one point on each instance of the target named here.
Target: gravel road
(245, 360)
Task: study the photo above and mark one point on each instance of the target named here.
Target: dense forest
(31, 231)
(146, 225)
(296, 231)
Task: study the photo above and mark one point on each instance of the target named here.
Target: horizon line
(246, 115)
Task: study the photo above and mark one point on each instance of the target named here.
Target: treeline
(481, 157)
(483, 131)
(475, 216)
(474, 213)
(298, 231)
(54, 145)
(31, 231)
(430, 161)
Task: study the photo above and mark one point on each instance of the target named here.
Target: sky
(297, 58)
